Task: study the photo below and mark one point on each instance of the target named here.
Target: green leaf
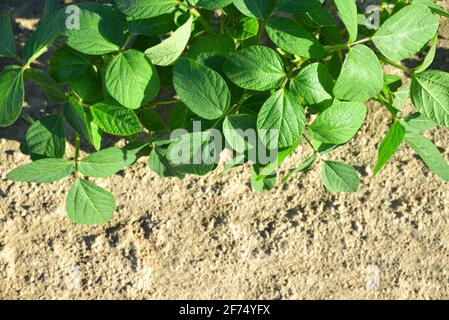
(202, 89)
(153, 26)
(281, 112)
(290, 36)
(7, 43)
(347, 10)
(433, 6)
(261, 9)
(339, 177)
(195, 153)
(131, 79)
(42, 171)
(255, 68)
(212, 50)
(430, 94)
(102, 164)
(12, 95)
(240, 132)
(303, 167)
(159, 163)
(339, 123)
(101, 30)
(361, 77)
(406, 32)
(262, 183)
(52, 90)
(115, 119)
(314, 84)
(47, 32)
(243, 28)
(146, 9)
(389, 146)
(430, 57)
(295, 6)
(88, 87)
(67, 64)
(418, 123)
(80, 120)
(89, 204)
(429, 153)
(151, 120)
(214, 4)
(169, 50)
(46, 139)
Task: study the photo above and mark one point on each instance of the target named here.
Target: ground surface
(213, 237)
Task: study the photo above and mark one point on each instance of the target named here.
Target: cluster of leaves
(303, 68)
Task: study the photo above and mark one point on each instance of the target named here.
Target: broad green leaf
(282, 113)
(429, 153)
(89, 204)
(295, 6)
(102, 164)
(389, 146)
(47, 32)
(202, 89)
(339, 123)
(159, 163)
(314, 84)
(100, 30)
(243, 28)
(290, 36)
(433, 6)
(418, 123)
(261, 9)
(195, 153)
(115, 119)
(67, 65)
(430, 57)
(7, 43)
(146, 9)
(52, 90)
(88, 87)
(212, 50)
(430, 94)
(131, 79)
(51, 7)
(406, 32)
(240, 132)
(361, 77)
(262, 183)
(339, 177)
(79, 119)
(153, 26)
(42, 171)
(303, 167)
(46, 139)
(214, 4)
(347, 10)
(401, 96)
(255, 68)
(169, 50)
(151, 120)
(12, 95)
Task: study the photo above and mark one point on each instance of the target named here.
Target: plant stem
(396, 65)
(167, 102)
(309, 143)
(77, 149)
(261, 31)
(194, 12)
(361, 41)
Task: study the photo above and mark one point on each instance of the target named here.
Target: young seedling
(259, 77)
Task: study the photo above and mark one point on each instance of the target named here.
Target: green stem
(77, 149)
(309, 143)
(167, 102)
(361, 41)
(396, 65)
(203, 21)
(261, 31)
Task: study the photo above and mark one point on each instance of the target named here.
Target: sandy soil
(213, 237)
